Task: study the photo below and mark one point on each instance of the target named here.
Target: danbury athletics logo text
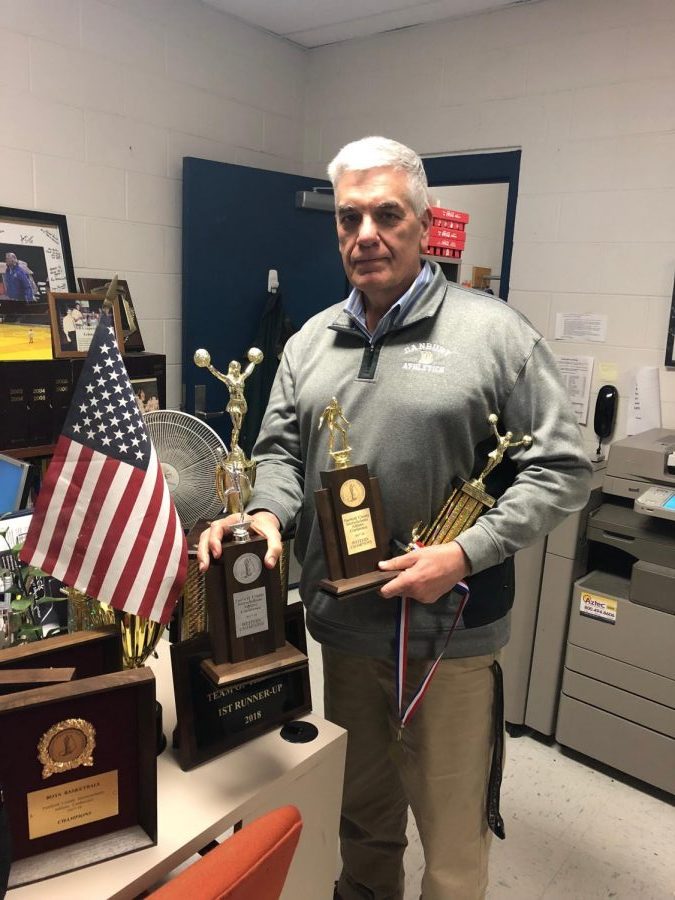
(424, 357)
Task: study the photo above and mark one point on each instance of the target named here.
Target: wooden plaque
(354, 536)
(243, 597)
(79, 772)
(89, 652)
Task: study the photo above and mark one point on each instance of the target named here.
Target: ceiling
(313, 23)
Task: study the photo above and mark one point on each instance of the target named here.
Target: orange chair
(251, 864)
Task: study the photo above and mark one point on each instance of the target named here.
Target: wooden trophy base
(360, 584)
(228, 673)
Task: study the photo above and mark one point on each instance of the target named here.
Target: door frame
(499, 167)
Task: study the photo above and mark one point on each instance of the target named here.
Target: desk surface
(194, 808)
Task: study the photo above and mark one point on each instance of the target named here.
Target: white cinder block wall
(101, 101)
(587, 89)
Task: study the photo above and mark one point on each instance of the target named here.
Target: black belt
(494, 818)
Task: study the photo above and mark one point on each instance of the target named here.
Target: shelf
(28, 452)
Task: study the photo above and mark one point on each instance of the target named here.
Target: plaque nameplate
(358, 529)
(70, 805)
(250, 611)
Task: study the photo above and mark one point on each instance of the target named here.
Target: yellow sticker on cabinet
(598, 607)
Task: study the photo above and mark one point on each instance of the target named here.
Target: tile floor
(573, 831)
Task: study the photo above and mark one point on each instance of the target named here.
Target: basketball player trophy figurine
(468, 498)
(349, 508)
(243, 596)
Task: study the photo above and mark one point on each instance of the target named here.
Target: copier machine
(617, 702)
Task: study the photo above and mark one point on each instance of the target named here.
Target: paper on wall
(581, 327)
(644, 407)
(577, 373)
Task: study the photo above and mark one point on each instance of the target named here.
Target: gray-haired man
(418, 365)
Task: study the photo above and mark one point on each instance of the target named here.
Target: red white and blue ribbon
(406, 713)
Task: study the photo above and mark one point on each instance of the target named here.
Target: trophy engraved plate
(244, 598)
(358, 530)
(351, 520)
(250, 611)
(73, 804)
(67, 745)
(468, 498)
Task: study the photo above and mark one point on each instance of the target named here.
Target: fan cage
(190, 450)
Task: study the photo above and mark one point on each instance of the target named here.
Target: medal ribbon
(402, 628)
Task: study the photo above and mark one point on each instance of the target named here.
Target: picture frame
(43, 238)
(73, 318)
(79, 788)
(133, 340)
(670, 340)
(146, 391)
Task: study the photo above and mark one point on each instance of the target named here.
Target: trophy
(233, 379)
(351, 520)
(468, 498)
(243, 597)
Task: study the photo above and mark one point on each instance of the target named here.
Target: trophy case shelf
(35, 396)
(29, 452)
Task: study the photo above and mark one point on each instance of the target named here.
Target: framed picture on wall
(670, 342)
(132, 333)
(35, 255)
(74, 318)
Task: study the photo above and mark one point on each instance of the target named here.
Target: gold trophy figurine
(468, 498)
(234, 496)
(335, 421)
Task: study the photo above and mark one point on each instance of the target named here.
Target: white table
(194, 808)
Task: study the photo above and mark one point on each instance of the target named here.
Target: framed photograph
(670, 342)
(146, 391)
(74, 318)
(35, 255)
(34, 259)
(133, 342)
(80, 772)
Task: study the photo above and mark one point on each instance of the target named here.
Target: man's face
(11, 260)
(379, 234)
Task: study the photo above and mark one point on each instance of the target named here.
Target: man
(68, 325)
(418, 365)
(17, 282)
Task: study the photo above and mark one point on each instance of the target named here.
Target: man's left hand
(426, 574)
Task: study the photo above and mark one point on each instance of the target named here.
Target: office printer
(617, 702)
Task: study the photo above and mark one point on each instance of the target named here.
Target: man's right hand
(265, 523)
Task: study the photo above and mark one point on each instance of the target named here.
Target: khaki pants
(440, 768)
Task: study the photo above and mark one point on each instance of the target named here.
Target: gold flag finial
(110, 294)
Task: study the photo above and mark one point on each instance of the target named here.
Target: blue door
(238, 223)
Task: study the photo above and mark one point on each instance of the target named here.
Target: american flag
(104, 521)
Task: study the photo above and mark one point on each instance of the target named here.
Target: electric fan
(188, 451)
